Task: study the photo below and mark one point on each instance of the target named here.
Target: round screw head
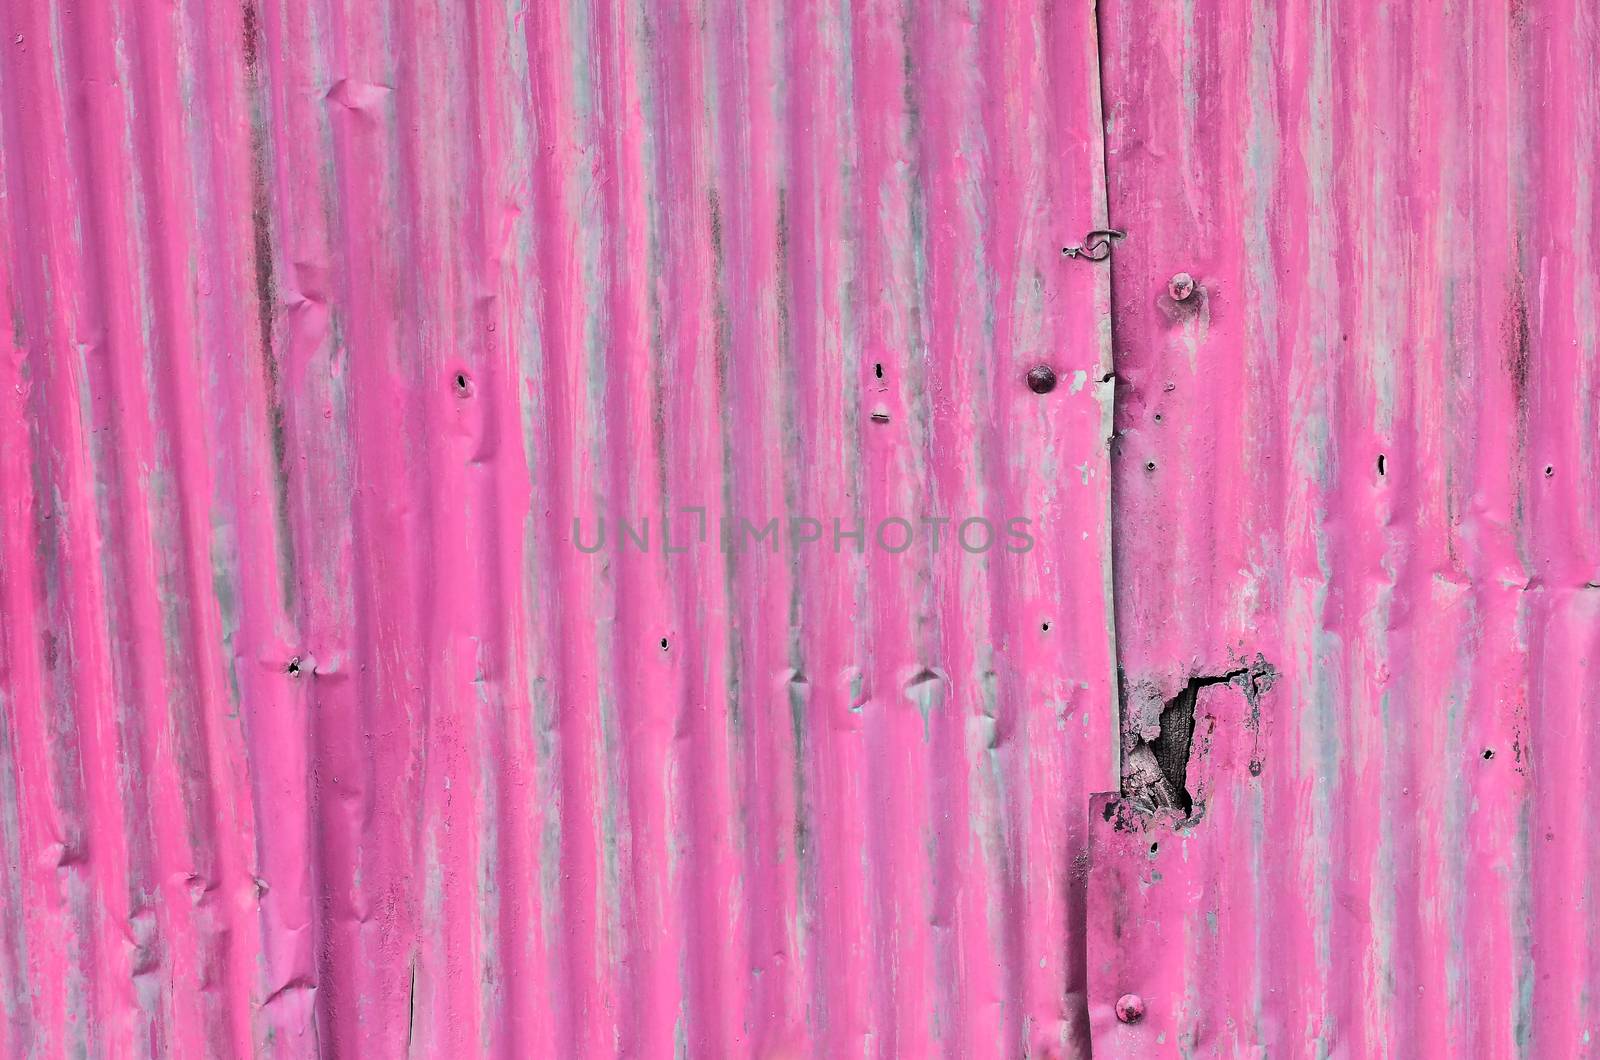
(1130, 1008)
(1180, 287)
(1041, 379)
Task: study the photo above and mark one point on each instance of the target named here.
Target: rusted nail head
(1130, 1008)
(1180, 287)
(1041, 379)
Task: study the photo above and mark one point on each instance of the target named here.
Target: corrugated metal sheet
(328, 320)
(339, 330)
(1365, 450)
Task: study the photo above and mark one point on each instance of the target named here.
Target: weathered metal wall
(322, 735)
(326, 320)
(1365, 450)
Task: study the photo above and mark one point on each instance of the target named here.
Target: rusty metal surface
(326, 320)
(1361, 452)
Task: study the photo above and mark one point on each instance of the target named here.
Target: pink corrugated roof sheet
(326, 322)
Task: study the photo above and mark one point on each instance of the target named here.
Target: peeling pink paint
(328, 320)
(1388, 212)
(331, 324)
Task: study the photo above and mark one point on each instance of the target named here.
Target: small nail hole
(1488, 753)
(294, 667)
(663, 643)
(1154, 847)
(1158, 417)
(1381, 465)
(1150, 465)
(877, 370)
(462, 383)
(1045, 626)
(1549, 471)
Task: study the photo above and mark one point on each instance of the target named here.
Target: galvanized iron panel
(1362, 452)
(326, 322)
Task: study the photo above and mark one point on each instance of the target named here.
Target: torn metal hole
(1155, 761)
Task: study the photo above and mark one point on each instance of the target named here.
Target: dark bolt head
(1041, 379)
(1130, 1008)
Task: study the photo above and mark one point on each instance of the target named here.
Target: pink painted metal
(328, 726)
(328, 319)
(1364, 450)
